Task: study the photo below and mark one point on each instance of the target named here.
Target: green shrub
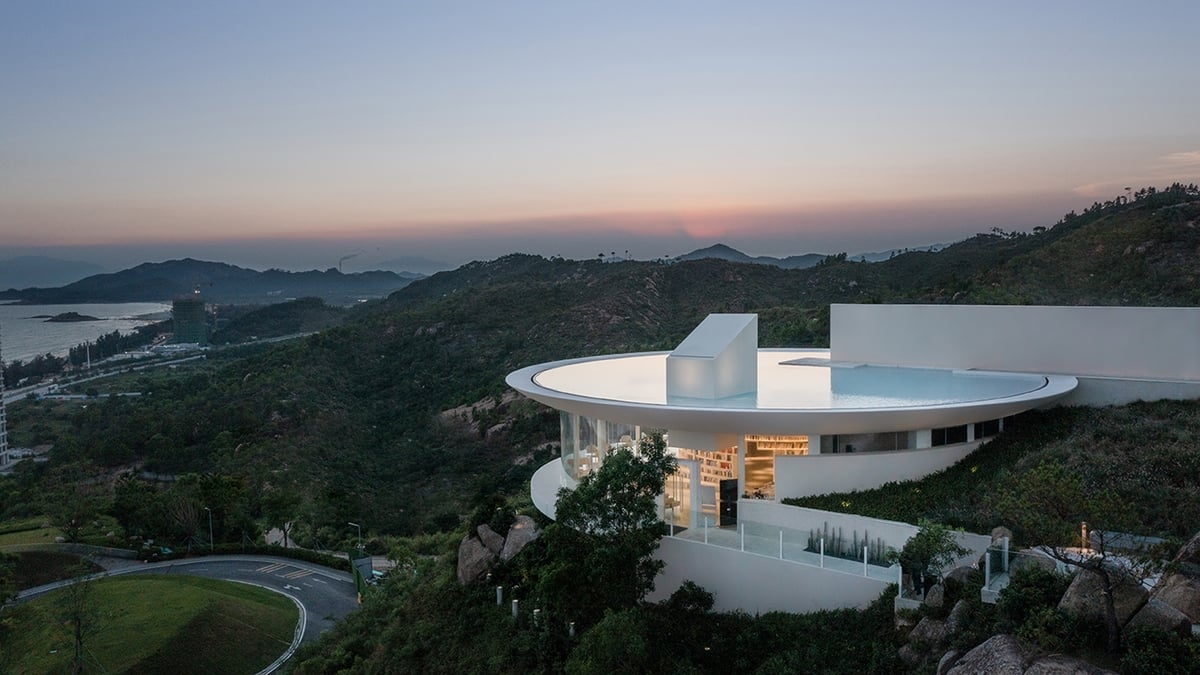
(1031, 588)
(1044, 629)
(1151, 651)
(495, 512)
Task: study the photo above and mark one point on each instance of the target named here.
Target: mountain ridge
(218, 282)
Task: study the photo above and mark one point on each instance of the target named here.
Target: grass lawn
(36, 535)
(155, 624)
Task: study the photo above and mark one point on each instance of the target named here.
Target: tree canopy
(600, 550)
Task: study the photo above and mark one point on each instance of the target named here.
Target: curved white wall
(808, 475)
(757, 583)
(1150, 343)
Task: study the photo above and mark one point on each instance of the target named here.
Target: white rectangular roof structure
(717, 360)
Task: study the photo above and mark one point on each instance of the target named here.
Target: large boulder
(1189, 555)
(474, 560)
(999, 655)
(960, 615)
(1030, 557)
(962, 575)
(1180, 588)
(522, 532)
(1181, 591)
(1000, 532)
(935, 596)
(493, 541)
(1085, 596)
(947, 661)
(1158, 614)
(910, 655)
(1059, 664)
(930, 632)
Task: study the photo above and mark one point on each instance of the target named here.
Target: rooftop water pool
(788, 380)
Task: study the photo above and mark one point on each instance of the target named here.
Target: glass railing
(795, 545)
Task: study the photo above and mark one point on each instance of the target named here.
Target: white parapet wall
(893, 533)
(758, 583)
(1136, 343)
(807, 475)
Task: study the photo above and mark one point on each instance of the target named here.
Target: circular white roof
(799, 391)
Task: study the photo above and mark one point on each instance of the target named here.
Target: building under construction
(190, 319)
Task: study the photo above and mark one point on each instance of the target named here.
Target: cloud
(1182, 159)
(1176, 166)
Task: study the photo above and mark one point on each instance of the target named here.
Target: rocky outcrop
(1180, 588)
(947, 661)
(1181, 591)
(960, 614)
(474, 560)
(1058, 664)
(522, 532)
(935, 596)
(999, 655)
(477, 553)
(1085, 596)
(1158, 614)
(962, 575)
(493, 541)
(910, 655)
(930, 632)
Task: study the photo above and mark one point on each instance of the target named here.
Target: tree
(928, 552)
(601, 546)
(1051, 507)
(77, 608)
(137, 507)
(279, 508)
(74, 503)
(8, 582)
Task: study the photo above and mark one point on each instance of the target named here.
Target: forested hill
(218, 282)
(350, 417)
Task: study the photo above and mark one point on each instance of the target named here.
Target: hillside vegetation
(345, 425)
(1147, 454)
(219, 282)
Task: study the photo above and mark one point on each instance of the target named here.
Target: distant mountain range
(408, 264)
(793, 262)
(217, 282)
(42, 271)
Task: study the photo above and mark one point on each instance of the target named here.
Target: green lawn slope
(155, 624)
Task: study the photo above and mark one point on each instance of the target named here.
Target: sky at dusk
(292, 134)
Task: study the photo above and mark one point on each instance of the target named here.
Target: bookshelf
(763, 446)
(714, 466)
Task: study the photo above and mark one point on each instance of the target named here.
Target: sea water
(25, 333)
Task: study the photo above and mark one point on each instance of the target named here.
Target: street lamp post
(359, 528)
(210, 536)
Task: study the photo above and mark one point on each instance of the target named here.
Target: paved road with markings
(325, 594)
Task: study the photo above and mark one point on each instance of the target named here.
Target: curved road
(324, 595)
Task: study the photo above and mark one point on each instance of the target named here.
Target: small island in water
(70, 317)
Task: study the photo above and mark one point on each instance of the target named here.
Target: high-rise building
(190, 320)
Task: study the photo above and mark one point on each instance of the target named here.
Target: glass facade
(586, 442)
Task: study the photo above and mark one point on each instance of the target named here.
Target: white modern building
(903, 391)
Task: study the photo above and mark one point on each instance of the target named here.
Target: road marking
(319, 581)
(271, 568)
(297, 574)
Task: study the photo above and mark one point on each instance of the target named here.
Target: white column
(924, 438)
